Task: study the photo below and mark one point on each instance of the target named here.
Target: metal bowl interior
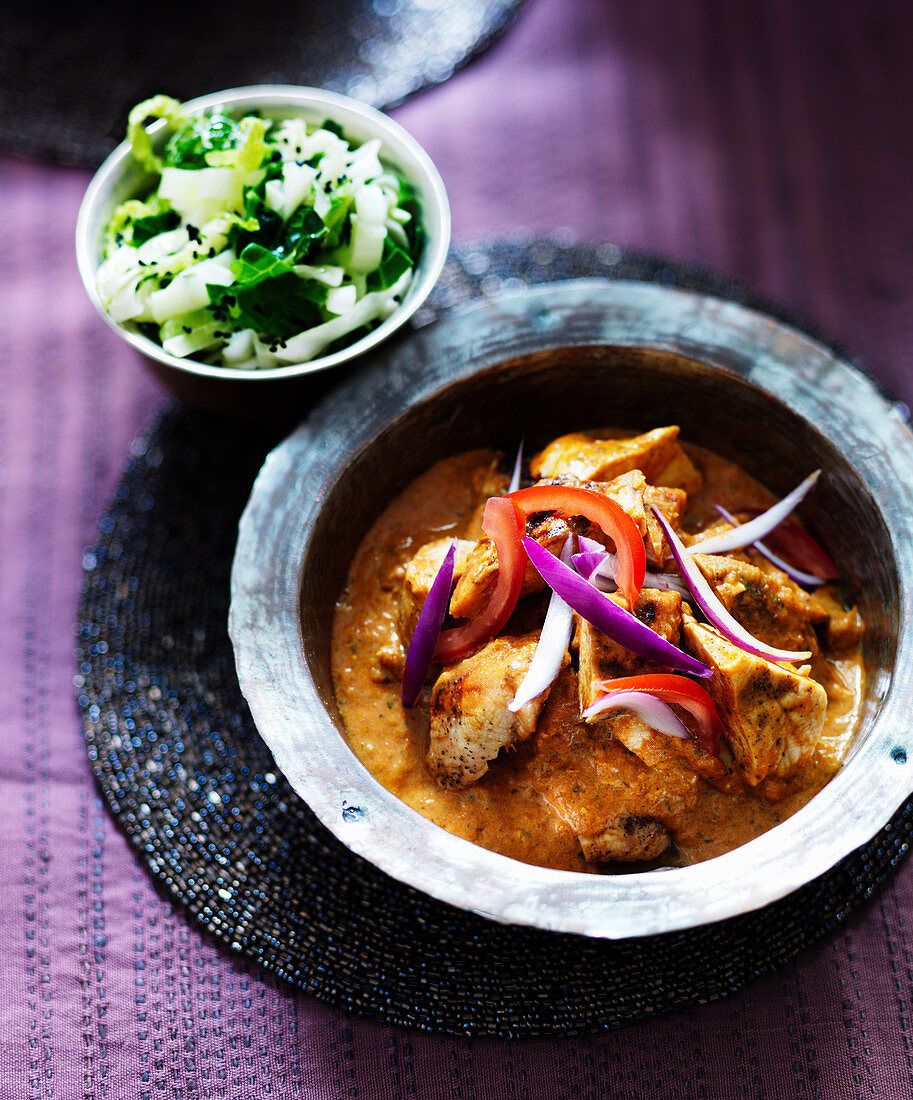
(551, 360)
(120, 178)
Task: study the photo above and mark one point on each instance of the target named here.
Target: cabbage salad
(263, 243)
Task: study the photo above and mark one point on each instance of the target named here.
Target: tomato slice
(686, 693)
(605, 513)
(505, 526)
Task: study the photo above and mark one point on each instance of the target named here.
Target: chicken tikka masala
(682, 700)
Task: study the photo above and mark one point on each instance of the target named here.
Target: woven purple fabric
(771, 142)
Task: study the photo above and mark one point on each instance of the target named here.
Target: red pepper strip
(605, 513)
(797, 546)
(687, 694)
(504, 525)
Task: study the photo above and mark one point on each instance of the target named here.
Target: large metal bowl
(545, 361)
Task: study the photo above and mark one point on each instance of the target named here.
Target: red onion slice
(428, 630)
(590, 546)
(596, 566)
(550, 649)
(608, 618)
(758, 527)
(599, 569)
(650, 710)
(596, 563)
(792, 571)
(518, 467)
(708, 601)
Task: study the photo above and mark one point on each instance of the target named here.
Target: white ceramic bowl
(546, 361)
(120, 178)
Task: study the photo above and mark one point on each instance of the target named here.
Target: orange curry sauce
(503, 811)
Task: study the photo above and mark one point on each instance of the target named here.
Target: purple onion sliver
(608, 618)
(599, 569)
(667, 582)
(588, 563)
(518, 466)
(550, 649)
(590, 546)
(600, 565)
(428, 630)
(758, 527)
(650, 710)
(792, 571)
(708, 601)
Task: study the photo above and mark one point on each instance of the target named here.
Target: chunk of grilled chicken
(658, 750)
(773, 715)
(626, 839)
(419, 576)
(765, 601)
(631, 491)
(681, 473)
(470, 720)
(493, 482)
(602, 659)
(657, 454)
(671, 502)
(480, 571)
(618, 807)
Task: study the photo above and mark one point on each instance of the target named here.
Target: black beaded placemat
(182, 767)
(69, 73)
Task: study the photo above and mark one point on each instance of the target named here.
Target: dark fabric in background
(771, 142)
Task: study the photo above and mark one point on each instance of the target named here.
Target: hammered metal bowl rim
(286, 708)
(408, 153)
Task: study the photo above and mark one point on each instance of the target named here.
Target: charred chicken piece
(657, 454)
(766, 602)
(773, 715)
(602, 659)
(470, 719)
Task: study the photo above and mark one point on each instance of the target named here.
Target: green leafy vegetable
(257, 263)
(150, 110)
(299, 259)
(393, 265)
(336, 220)
(146, 228)
(189, 145)
(247, 150)
(305, 230)
(278, 305)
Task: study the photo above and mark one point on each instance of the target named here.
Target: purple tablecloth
(771, 142)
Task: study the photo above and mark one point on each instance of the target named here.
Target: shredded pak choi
(263, 242)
